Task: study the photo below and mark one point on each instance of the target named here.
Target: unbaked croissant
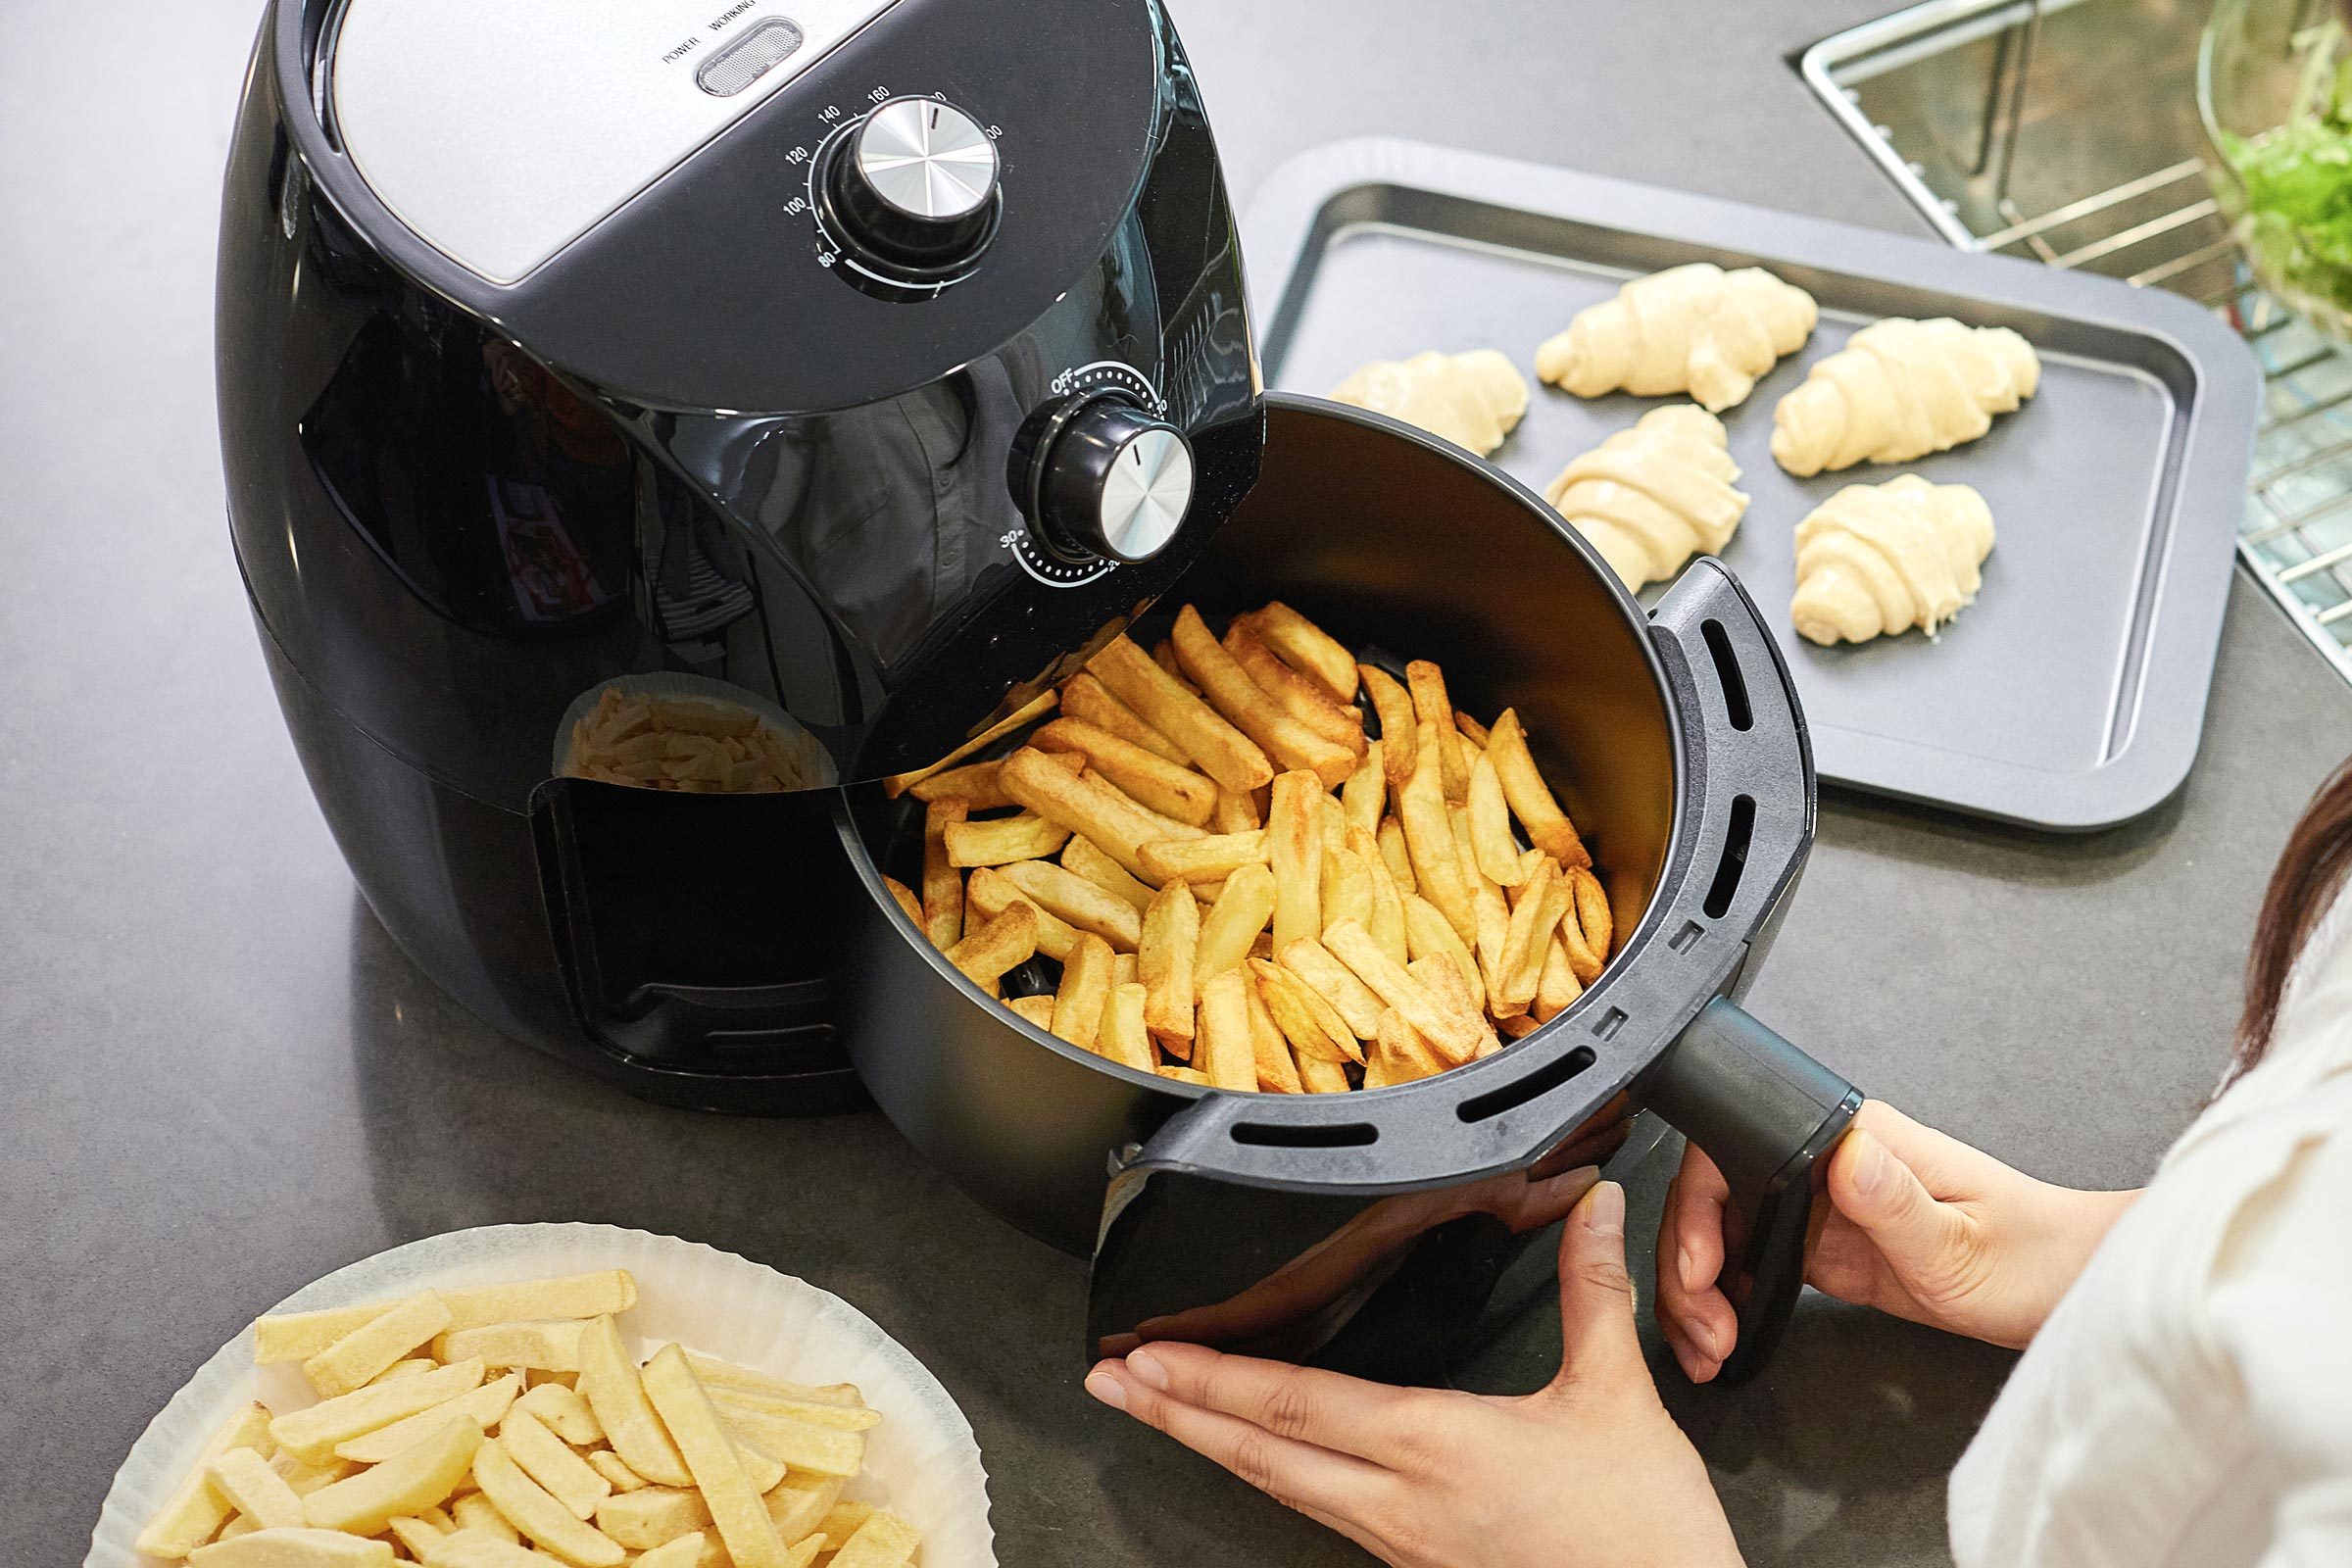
(1651, 497)
(1886, 558)
(1900, 390)
(1694, 328)
(1473, 399)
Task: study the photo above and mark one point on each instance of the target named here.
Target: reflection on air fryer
(1252, 892)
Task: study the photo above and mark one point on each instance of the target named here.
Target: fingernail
(1146, 1369)
(1102, 1386)
(1711, 1339)
(1687, 1267)
(1604, 1210)
(1878, 1171)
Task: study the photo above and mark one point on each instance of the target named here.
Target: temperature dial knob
(912, 189)
(1101, 478)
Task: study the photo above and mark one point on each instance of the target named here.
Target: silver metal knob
(1102, 479)
(929, 159)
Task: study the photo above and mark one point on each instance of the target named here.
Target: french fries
(696, 745)
(1247, 886)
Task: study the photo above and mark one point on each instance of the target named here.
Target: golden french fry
(1122, 967)
(417, 1477)
(1399, 1055)
(711, 1455)
(1090, 806)
(299, 1336)
(1335, 982)
(1438, 869)
(1431, 706)
(1312, 1025)
(906, 902)
(1073, 899)
(976, 784)
(1163, 654)
(549, 1345)
(884, 1540)
(312, 1433)
(1331, 817)
(1204, 859)
(1386, 921)
(1077, 1009)
(1346, 893)
(1444, 980)
(1428, 933)
(1364, 798)
(1207, 739)
(196, 1509)
(256, 1491)
(1490, 825)
(561, 1411)
(943, 889)
(1470, 729)
(1560, 986)
(354, 1360)
(1521, 1027)
(1004, 943)
(1084, 697)
(1233, 923)
(1225, 1050)
(1182, 1075)
(991, 893)
(1593, 914)
(1252, 709)
(1309, 649)
(608, 1381)
(1456, 1040)
(1124, 1039)
(653, 1517)
(526, 1506)
(1003, 840)
(291, 1549)
(1277, 1071)
(1526, 941)
(1082, 857)
(1165, 963)
(1399, 730)
(1168, 788)
(1547, 826)
(1038, 1011)
(487, 1404)
(1236, 812)
(1027, 712)
(1295, 846)
(1302, 698)
(1393, 850)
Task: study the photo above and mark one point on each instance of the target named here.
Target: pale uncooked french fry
(1165, 963)
(1078, 1005)
(561, 1411)
(990, 892)
(1490, 825)
(810, 1447)
(298, 1336)
(419, 1476)
(1085, 905)
(549, 1461)
(1302, 697)
(527, 1506)
(1086, 698)
(549, 1344)
(688, 1551)
(291, 1549)
(801, 1504)
(354, 1360)
(1082, 857)
(196, 1510)
(884, 1540)
(1432, 707)
(1088, 805)
(474, 1514)
(1233, 923)
(615, 1469)
(1207, 739)
(1547, 826)
(1124, 1039)
(609, 1382)
(943, 889)
(1250, 709)
(652, 1517)
(1455, 1039)
(1309, 649)
(1002, 840)
(1224, 1048)
(487, 1404)
(1429, 834)
(729, 1380)
(1203, 860)
(256, 1491)
(1335, 982)
(1295, 847)
(312, 1433)
(1277, 1071)
(1004, 943)
(1168, 788)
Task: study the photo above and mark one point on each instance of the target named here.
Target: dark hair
(2310, 869)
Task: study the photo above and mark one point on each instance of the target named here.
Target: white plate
(921, 1462)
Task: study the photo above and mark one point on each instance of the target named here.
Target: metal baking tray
(2072, 694)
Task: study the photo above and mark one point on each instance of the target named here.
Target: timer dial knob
(914, 188)
(1102, 479)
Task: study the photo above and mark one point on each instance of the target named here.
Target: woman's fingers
(1691, 1257)
(1342, 1413)
(1599, 1347)
(1338, 1489)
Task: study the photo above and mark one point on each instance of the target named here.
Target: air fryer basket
(1675, 745)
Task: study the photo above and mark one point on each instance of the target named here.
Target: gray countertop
(224, 1080)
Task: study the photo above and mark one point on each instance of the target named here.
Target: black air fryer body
(740, 428)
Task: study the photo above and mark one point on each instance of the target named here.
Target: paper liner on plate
(921, 1462)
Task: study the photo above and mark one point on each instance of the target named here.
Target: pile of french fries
(1243, 888)
(682, 744)
(506, 1427)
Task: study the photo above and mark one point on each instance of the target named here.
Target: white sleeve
(2314, 1528)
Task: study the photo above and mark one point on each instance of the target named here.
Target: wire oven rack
(2067, 132)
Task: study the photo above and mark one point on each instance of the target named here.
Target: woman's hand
(1921, 1226)
(1589, 1473)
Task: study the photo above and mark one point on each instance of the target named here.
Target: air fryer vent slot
(1734, 864)
(1542, 1081)
(1726, 672)
(1273, 1135)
